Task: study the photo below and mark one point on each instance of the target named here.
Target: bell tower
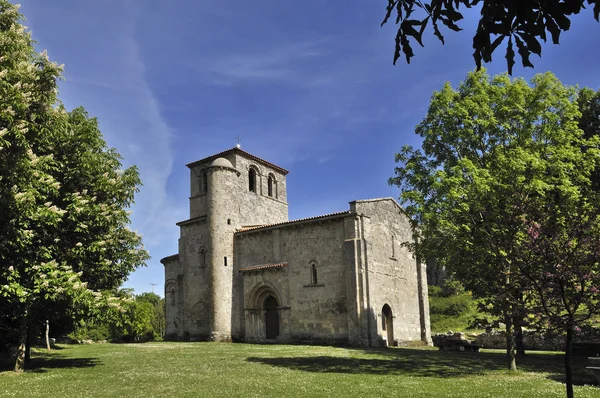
(228, 191)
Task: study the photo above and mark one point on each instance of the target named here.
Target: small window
(229, 221)
(252, 180)
(202, 258)
(313, 274)
(393, 247)
(204, 182)
(270, 186)
(225, 261)
(172, 296)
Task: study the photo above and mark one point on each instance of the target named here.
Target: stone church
(244, 272)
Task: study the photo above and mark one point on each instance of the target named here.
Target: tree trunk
(28, 342)
(519, 337)
(510, 345)
(48, 334)
(568, 370)
(20, 362)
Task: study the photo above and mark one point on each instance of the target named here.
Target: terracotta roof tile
(236, 149)
(340, 213)
(263, 266)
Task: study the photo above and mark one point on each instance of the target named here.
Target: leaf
(533, 45)
(495, 45)
(451, 13)
(553, 29)
(450, 24)
(561, 20)
(523, 52)
(408, 29)
(436, 31)
(510, 55)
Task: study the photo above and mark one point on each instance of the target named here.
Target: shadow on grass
(41, 363)
(428, 363)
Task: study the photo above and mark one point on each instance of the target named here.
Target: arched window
(270, 186)
(313, 274)
(252, 180)
(204, 182)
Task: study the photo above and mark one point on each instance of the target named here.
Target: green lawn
(243, 370)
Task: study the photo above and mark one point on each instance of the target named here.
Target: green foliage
(451, 307)
(138, 318)
(503, 194)
(90, 330)
(65, 241)
(452, 287)
(523, 23)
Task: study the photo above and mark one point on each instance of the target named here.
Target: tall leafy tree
(498, 158)
(63, 195)
(522, 24)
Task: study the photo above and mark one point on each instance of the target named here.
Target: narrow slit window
(204, 182)
(202, 258)
(393, 246)
(225, 261)
(270, 186)
(252, 180)
(172, 298)
(313, 274)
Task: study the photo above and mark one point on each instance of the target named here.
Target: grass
(244, 370)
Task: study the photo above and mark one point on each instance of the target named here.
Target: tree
(63, 195)
(498, 158)
(523, 23)
(561, 251)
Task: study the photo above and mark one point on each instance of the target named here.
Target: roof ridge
(339, 213)
(216, 155)
(264, 266)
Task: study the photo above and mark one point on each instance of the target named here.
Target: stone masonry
(244, 272)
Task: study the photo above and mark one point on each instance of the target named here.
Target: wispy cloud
(107, 74)
(288, 63)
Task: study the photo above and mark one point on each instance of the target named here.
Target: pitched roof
(241, 151)
(263, 266)
(315, 218)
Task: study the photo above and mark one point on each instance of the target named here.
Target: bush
(452, 287)
(451, 306)
(90, 331)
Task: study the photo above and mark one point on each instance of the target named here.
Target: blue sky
(309, 86)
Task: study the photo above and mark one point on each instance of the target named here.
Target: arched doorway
(387, 324)
(271, 317)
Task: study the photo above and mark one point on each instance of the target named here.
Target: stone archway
(387, 324)
(271, 317)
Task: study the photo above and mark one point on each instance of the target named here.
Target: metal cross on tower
(239, 141)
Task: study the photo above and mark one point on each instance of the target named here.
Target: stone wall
(532, 339)
(309, 311)
(394, 277)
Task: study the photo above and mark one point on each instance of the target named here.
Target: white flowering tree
(63, 196)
